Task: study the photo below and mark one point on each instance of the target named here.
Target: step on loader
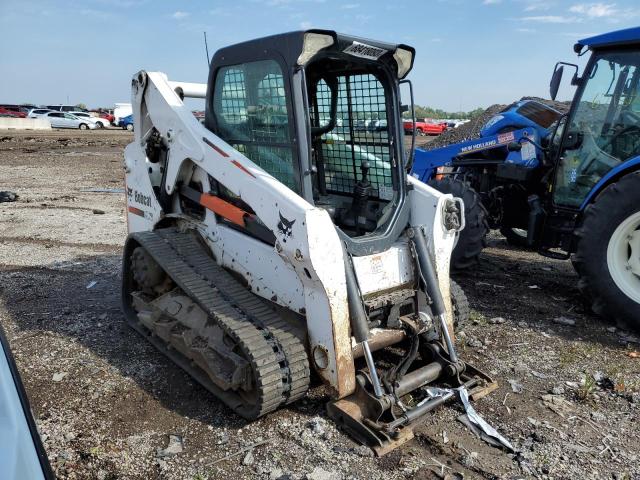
(283, 235)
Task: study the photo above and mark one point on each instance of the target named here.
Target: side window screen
(252, 114)
(233, 104)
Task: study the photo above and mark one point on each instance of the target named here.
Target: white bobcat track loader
(284, 234)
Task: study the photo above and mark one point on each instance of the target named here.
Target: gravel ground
(110, 407)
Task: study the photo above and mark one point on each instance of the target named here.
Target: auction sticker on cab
(363, 50)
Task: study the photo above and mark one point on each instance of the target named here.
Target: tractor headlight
(312, 44)
(404, 59)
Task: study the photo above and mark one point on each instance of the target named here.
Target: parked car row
(72, 116)
(60, 116)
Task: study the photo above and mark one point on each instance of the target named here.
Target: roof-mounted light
(404, 59)
(312, 44)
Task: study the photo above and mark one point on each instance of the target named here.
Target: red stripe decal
(242, 167)
(136, 211)
(216, 148)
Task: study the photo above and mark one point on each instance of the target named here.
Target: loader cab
(320, 111)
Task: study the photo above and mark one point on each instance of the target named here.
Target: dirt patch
(107, 403)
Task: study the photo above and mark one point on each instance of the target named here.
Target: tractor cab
(600, 137)
(603, 128)
(320, 111)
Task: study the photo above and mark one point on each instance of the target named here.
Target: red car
(424, 128)
(107, 116)
(11, 113)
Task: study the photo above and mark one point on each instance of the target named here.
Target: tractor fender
(614, 174)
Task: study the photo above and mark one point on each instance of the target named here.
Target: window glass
(539, 113)
(252, 114)
(605, 128)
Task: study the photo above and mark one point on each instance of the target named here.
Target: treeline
(436, 113)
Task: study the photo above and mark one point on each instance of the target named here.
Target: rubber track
(292, 354)
(278, 358)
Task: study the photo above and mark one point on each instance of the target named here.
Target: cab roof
(627, 36)
(290, 45)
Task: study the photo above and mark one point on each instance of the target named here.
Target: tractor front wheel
(473, 238)
(608, 255)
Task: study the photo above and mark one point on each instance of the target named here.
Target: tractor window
(539, 113)
(360, 134)
(604, 130)
(252, 114)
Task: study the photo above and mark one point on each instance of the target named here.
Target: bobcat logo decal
(285, 227)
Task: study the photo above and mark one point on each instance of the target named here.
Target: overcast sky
(470, 53)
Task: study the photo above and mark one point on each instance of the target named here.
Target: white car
(98, 122)
(66, 120)
(38, 112)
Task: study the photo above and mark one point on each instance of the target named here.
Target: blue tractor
(567, 185)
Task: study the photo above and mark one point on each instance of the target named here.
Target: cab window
(251, 110)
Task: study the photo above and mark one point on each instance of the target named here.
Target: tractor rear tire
(460, 305)
(473, 238)
(607, 259)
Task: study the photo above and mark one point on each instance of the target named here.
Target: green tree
(436, 113)
(81, 105)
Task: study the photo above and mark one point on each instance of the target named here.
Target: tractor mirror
(514, 147)
(404, 108)
(556, 78)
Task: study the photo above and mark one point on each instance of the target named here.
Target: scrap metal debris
(516, 387)
(58, 376)
(569, 322)
(176, 445)
(8, 196)
(471, 419)
(557, 404)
